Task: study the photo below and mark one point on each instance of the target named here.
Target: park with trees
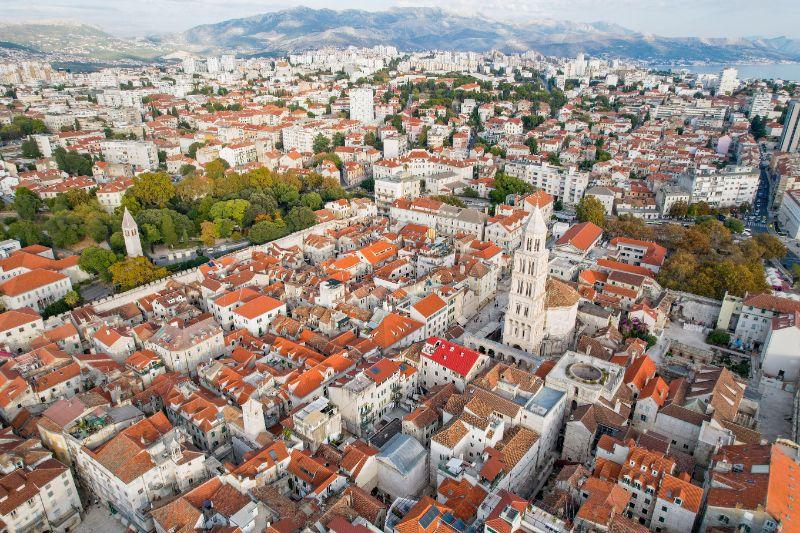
(200, 208)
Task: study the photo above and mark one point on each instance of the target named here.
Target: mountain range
(304, 28)
(433, 28)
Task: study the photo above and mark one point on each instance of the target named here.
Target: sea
(774, 71)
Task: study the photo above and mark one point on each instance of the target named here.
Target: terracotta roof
(392, 329)
(691, 496)
(559, 294)
(126, 455)
(429, 305)
(17, 317)
(582, 236)
(638, 373)
(258, 306)
(772, 303)
(29, 281)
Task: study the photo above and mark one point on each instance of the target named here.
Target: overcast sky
(701, 18)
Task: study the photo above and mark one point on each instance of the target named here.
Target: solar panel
(429, 516)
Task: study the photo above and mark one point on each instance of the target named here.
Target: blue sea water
(783, 71)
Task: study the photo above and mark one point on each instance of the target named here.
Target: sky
(673, 18)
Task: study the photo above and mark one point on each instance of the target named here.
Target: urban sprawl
(363, 290)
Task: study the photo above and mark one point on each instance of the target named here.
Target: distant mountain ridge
(408, 29)
(433, 28)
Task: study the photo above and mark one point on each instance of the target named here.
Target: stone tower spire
(524, 324)
(130, 231)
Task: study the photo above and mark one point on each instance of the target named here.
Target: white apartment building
(779, 357)
(35, 289)
(790, 137)
(789, 214)
(391, 188)
(140, 154)
(256, 315)
(239, 154)
(435, 313)
(365, 398)
(110, 194)
(755, 320)
(728, 81)
(444, 218)
(145, 463)
(317, 423)
(760, 105)
(184, 344)
(18, 327)
(362, 104)
(669, 195)
(727, 187)
(565, 183)
(223, 306)
(301, 137)
(37, 497)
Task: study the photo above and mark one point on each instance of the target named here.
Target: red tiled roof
(450, 355)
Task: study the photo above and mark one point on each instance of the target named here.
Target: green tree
(65, 229)
(26, 203)
(773, 247)
(168, 232)
(311, 200)
(300, 218)
(72, 162)
(224, 227)
(30, 149)
(679, 209)
(192, 150)
(216, 169)
(718, 337)
(27, 233)
(135, 271)
(266, 231)
(452, 200)
(230, 209)
(758, 127)
(187, 169)
(152, 189)
(590, 209)
(505, 185)
(208, 233)
(734, 225)
(96, 229)
(194, 186)
(117, 242)
(321, 144)
(72, 298)
(96, 260)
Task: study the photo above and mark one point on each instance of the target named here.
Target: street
(493, 311)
